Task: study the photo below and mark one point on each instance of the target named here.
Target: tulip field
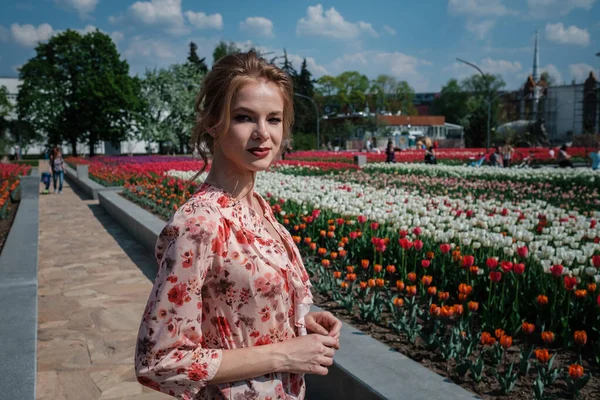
(488, 276)
(9, 183)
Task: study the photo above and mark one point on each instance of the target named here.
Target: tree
(223, 49)
(305, 116)
(452, 103)
(5, 105)
(195, 60)
(550, 80)
(381, 89)
(402, 99)
(169, 95)
(77, 89)
(351, 89)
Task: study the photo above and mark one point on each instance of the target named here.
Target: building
(419, 126)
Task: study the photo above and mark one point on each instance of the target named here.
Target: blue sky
(416, 41)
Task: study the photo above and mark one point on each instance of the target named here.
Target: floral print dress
(223, 283)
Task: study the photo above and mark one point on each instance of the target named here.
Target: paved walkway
(92, 293)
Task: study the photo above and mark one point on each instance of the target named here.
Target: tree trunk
(92, 143)
(74, 148)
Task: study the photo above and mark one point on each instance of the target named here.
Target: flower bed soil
(488, 388)
(5, 225)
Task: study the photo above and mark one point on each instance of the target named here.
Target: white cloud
(204, 21)
(389, 30)
(547, 8)
(480, 29)
(83, 7)
(28, 35)
(571, 35)
(331, 24)
(315, 69)
(554, 73)
(373, 63)
(160, 13)
(259, 26)
(87, 29)
(149, 48)
(479, 8)
(117, 37)
(580, 71)
(4, 35)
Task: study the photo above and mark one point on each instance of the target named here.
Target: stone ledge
(142, 225)
(88, 186)
(364, 368)
(18, 297)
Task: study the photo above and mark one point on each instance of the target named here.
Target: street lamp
(318, 119)
(489, 117)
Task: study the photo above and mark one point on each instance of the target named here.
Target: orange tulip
(458, 309)
(580, 338)
(371, 283)
(498, 333)
(363, 285)
(333, 255)
(312, 246)
(575, 371)
(330, 235)
(435, 310)
(412, 277)
(463, 288)
(473, 306)
(542, 300)
(542, 355)
(400, 285)
(581, 293)
(390, 269)
(548, 337)
(443, 296)
(322, 233)
(307, 240)
(429, 255)
(351, 277)
(337, 274)
(411, 291)
(398, 302)
(487, 339)
(344, 285)
(377, 268)
(342, 253)
(426, 280)
(322, 251)
(591, 287)
(431, 291)
(350, 269)
(380, 282)
(447, 312)
(364, 263)
(505, 341)
(527, 328)
(325, 263)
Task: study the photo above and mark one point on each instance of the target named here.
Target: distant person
(329, 147)
(430, 156)
(496, 158)
(507, 154)
(58, 170)
(368, 145)
(595, 156)
(390, 152)
(527, 161)
(564, 159)
(481, 159)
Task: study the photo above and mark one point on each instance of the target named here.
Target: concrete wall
(18, 297)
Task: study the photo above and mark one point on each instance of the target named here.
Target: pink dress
(223, 283)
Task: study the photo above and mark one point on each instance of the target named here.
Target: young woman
(229, 314)
(58, 169)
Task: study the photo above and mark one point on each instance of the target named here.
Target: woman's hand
(324, 323)
(310, 354)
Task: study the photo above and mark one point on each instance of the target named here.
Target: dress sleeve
(169, 354)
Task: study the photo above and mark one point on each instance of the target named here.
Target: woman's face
(256, 127)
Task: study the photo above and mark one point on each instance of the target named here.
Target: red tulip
(522, 252)
(519, 269)
(496, 276)
(556, 270)
(491, 263)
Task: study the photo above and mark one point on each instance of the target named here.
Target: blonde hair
(213, 103)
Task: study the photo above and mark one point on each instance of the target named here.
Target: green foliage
(5, 106)
(77, 89)
(465, 104)
(304, 141)
(224, 49)
(195, 60)
(169, 96)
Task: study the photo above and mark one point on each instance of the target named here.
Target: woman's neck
(226, 176)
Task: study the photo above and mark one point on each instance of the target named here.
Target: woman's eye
(243, 118)
(275, 120)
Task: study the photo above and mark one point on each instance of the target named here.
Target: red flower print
(178, 294)
(145, 381)
(222, 201)
(172, 278)
(223, 325)
(188, 258)
(265, 339)
(197, 372)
